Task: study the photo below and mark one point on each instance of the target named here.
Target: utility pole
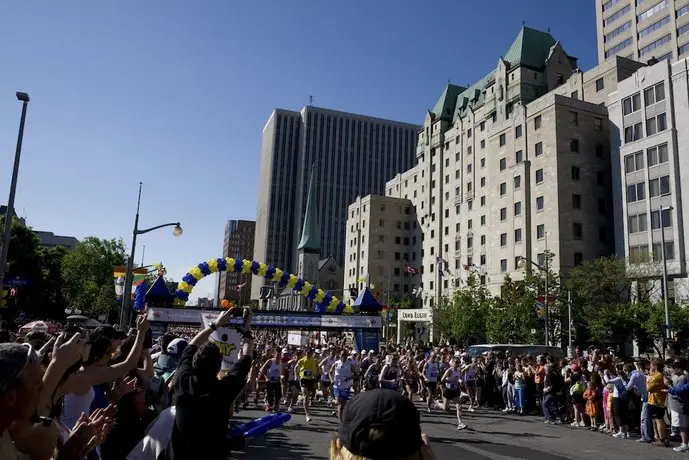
(546, 313)
(570, 348)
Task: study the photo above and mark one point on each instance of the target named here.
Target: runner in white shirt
(451, 392)
(272, 370)
(324, 383)
(429, 374)
(342, 375)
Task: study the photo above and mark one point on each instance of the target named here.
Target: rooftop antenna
(310, 99)
(523, 22)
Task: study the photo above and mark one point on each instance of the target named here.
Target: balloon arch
(325, 302)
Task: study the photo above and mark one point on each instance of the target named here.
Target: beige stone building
(515, 164)
(642, 29)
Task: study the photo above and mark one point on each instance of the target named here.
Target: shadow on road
(510, 451)
(279, 446)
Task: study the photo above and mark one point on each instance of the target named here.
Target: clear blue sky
(175, 94)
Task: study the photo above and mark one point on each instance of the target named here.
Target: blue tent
(366, 302)
(158, 295)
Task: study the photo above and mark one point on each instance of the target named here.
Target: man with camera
(204, 402)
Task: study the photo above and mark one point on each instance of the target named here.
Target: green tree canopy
(463, 318)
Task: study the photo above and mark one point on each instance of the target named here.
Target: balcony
(457, 200)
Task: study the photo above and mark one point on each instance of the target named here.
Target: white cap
(318, 350)
(176, 347)
(285, 351)
(363, 352)
(458, 354)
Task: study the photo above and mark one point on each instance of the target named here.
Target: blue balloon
(222, 264)
(190, 280)
(238, 265)
(320, 308)
(182, 295)
(268, 425)
(312, 293)
(299, 286)
(284, 279)
(328, 298)
(254, 267)
(270, 272)
(339, 308)
(205, 269)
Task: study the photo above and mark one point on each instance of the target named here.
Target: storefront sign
(417, 314)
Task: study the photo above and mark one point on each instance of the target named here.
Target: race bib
(433, 375)
(451, 386)
(308, 374)
(274, 378)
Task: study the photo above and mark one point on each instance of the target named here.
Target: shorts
(341, 394)
(656, 412)
(679, 419)
(307, 384)
(470, 383)
(578, 398)
(325, 383)
(451, 395)
(432, 387)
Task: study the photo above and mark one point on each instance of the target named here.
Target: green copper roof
(311, 232)
(445, 107)
(531, 48)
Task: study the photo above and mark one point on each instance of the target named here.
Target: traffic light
(9, 296)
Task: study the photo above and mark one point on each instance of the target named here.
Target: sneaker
(682, 448)
(308, 419)
(642, 440)
(428, 410)
(619, 435)
(574, 424)
(582, 424)
(461, 426)
(471, 409)
(505, 410)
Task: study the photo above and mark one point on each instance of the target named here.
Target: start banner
(227, 339)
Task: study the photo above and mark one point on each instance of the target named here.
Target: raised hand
(224, 317)
(142, 325)
(69, 351)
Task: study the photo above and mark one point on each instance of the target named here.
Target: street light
(522, 263)
(9, 214)
(668, 332)
(127, 294)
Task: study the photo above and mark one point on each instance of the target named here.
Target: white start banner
(227, 339)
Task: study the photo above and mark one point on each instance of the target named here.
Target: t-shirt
(203, 405)
(308, 368)
(655, 385)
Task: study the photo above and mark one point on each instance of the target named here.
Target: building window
(617, 15)
(655, 219)
(669, 251)
(598, 124)
(483, 220)
(655, 26)
(483, 200)
(503, 214)
(483, 240)
(469, 132)
(518, 157)
(637, 223)
(518, 208)
(634, 162)
(576, 201)
(636, 192)
(656, 44)
(503, 164)
(503, 240)
(616, 49)
(539, 176)
(638, 254)
(538, 149)
(537, 122)
(503, 265)
(539, 203)
(633, 133)
(631, 104)
(540, 231)
(503, 139)
(503, 188)
(600, 83)
(574, 145)
(483, 143)
(517, 182)
(659, 186)
(518, 132)
(577, 230)
(578, 258)
(518, 235)
(574, 95)
(573, 117)
(601, 205)
(483, 162)
(657, 155)
(656, 124)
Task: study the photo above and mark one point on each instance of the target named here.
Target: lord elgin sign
(419, 314)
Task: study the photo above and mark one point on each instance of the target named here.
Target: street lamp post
(546, 315)
(9, 214)
(128, 280)
(668, 332)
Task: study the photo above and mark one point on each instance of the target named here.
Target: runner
(342, 375)
(292, 388)
(391, 373)
(324, 383)
(429, 374)
(272, 373)
(306, 369)
(411, 378)
(451, 394)
(372, 375)
(470, 371)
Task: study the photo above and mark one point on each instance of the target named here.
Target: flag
(408, 269)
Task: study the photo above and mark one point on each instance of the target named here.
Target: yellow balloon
(335, 302)
(319, 296)
(348, 309)
(185, 287)
(196, 273)
(230, 264)
(306, 289)
(246, 266)
(213, 265)
(179, 303)
(277, 276)
(292, 281)
(262, 269)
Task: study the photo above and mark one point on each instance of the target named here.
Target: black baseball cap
(394, 418)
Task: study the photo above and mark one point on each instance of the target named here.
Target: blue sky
(176, 93)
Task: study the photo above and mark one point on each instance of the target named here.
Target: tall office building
(650, 112)
(510, 167)
(237, 243)
(353, 155)
(642, 29)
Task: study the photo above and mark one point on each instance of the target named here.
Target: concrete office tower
(642, 29)
(237, 243)
(383, 237)
(510, 166)
(353, 154)
(650, 113)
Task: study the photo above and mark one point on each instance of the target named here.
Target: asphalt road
(491, 435)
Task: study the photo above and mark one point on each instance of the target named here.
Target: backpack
(157, 394)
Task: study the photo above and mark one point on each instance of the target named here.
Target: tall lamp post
(523, 261)
(9, 214)
(128, 280)
(668, 332)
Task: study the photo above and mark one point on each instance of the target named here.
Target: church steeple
(311, 232)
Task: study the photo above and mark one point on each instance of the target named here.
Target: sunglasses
(31, 357)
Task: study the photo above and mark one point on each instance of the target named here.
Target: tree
(512, 316)
(463, 317)
(87, 273)
(23, 262)
(50, 295)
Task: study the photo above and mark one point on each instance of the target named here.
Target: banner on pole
(227, 339)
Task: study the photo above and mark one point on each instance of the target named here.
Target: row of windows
(640, 254)
(655, 155)
(617, 15)
(618, 31)
(653, 27)
(650, 12)
(653, 125)
(652, 95)
(609, 4)
(656, 44)
(656, 187)
(638, 223)
(619, 47)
